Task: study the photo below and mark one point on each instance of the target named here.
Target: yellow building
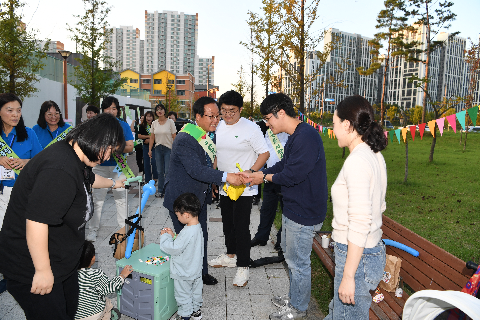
(133, 82)
(163, 82)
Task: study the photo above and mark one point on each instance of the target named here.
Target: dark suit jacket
(188, 171)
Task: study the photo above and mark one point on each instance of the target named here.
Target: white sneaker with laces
(280, 301)
(241, 278)
(223, 260)
(288, 312)
(92, 236)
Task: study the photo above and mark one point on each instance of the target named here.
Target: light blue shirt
(186, 251)
(26, 149)
(127, 133)
(45, 136)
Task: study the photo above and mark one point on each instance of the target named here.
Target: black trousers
(236, 227)
(202, 218)
(61, 303)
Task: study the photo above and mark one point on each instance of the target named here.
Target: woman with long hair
(22, 140)
(50, 123)
(163, 132)
(358, 197)
(144, 131)
(44, 227)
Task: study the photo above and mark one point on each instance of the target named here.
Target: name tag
(6, 174)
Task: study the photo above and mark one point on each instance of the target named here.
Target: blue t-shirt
(127, 133)
(26, 149)
(45, 136)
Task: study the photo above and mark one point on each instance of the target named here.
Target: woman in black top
(44, 226)
(149, 164)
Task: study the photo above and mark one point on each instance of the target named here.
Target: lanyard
(51, 135)
(11, 141)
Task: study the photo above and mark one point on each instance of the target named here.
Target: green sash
(277, 146)
(148, 128)
(60, 137)
(121, 161)
(6, 151)
(203, 139)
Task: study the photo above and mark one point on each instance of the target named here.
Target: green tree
(264, 42)
(95, 75)
(241, 85)
(416, 114)
(20, 57)
(392, 113)
(391, 22)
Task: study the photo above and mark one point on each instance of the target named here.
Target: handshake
(245, 177)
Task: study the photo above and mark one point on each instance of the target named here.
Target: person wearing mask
(108, 169)
(50, 123)
(163, 132)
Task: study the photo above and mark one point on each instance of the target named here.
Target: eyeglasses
(228, 112)
(212, 117)
(267, 119)
(52, 115)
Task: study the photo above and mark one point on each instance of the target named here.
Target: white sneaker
(92, 236)
(241, 278)
(280, 301)
(223, 261)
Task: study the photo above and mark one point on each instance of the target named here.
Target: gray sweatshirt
(186, 252)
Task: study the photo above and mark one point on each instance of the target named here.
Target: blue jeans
(149, 165)
(271, 196)
(368, 275)
(162, 157)
(297, 241)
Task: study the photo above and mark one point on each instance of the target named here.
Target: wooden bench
(434, 268)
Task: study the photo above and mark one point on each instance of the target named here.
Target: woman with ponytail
(358, 197)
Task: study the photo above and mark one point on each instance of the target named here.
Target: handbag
(119, 239)
(391, 275)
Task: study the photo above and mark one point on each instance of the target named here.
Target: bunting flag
(472, 113)
(386, 134)
(452, 122)
(404, 134)
(461, 118)
(431, 125)
(391, 133)
(412, 131)
(421, 128)
(440, 124)
(397, 133)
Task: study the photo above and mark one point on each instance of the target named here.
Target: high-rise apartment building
(352, 51)
(52, 46)
(170, 42)
(205, 71)
(126, 47)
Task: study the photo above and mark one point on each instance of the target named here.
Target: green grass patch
(440, 200)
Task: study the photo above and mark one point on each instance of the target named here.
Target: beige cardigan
(358, 197)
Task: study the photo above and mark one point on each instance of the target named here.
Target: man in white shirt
(239, 141)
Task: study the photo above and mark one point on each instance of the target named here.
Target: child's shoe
(197, 315)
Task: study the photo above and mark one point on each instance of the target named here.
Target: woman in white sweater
(358, 197)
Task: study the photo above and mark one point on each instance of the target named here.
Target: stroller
(447, 305)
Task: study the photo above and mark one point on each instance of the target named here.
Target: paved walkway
(222, 301)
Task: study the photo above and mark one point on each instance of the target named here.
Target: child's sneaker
(197, 315)
(223, 261)
(115, 314)
(241, 278)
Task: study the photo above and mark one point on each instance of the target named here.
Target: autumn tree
(20, 56)
(391, 22)
(95, 75)
(241, 85)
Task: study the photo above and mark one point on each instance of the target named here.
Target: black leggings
(59, 304)
(236, 227)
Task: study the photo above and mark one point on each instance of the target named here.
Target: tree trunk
(465, 141)
(406, 161)
(251, 87)
(302, 58)
(432, 148)
(427, 25)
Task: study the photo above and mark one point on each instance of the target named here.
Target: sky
(222, 24)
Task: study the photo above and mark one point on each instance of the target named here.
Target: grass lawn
(440, 200)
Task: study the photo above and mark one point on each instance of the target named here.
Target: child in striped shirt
(94, 286)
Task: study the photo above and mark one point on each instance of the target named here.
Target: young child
(186, 250)
(94, 286)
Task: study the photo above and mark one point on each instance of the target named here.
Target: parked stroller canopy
(428, 304)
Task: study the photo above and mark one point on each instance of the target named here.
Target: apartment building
(205, 71)
(127, 48)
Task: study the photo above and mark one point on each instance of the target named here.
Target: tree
(20, 56)
(95, 75)
(391, 21)
(241, 85)
(434, 16)
(296, 40)
(416, 114)
(392, 113)
(264, 42)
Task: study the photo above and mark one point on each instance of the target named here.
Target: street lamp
(65, 54)
(208, 75)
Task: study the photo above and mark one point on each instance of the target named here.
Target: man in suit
(191, 170)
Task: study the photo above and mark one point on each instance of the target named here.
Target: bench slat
(376, 312)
